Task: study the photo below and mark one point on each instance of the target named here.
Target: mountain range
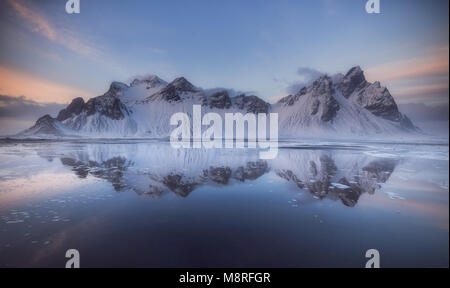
(338, 105)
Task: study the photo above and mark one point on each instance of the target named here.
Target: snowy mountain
(338, 105)
(345, 105)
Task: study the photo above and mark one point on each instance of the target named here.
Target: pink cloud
(16, 83)
(38, 23)
(436, 64)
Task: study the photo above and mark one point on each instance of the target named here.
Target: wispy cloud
(37, 22)
(437, 92)
(19, 113)
(307, 76)
(158, 51)
(436, 64)
(26, 109)
(420, 112)
(416, 80)
(16, 83)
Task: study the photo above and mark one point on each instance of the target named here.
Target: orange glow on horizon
(16, 83)
(433, 65)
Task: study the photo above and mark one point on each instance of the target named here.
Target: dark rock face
(323, 90)
(315, 107)
(45, 125)
(373, 97)
(75, 108)
(330, 108)
(288, 100)
(183, 85)
(353, 86)
(169, 94)
(323, 85)
(172, 92)
(323, 103)
(379, 101)
(353, 80)
(150, 82)
(251, 104)
(291, 99)
(45, 120)
(319, 101)
(219, 100)
(106, 105)
(116, 89)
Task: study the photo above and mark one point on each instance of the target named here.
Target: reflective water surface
(143, 204)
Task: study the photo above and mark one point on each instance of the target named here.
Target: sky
(264, 47)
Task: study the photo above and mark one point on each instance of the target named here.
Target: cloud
(416, 80)
(420, 112)
(307, 76)
(26, 109)
(19, 113)
(430, 93)
(158, 51)
(436, 64)
(16, 83)
(38, 23)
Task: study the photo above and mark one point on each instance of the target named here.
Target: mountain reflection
(348, 188)
(110, 170)
(153, 170)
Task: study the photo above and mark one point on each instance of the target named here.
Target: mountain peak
(323, 85)
(45, 126)
(355, 70)
(342, 104)
(116, 89)
(74, 108)
(150, 80)
(46, 119)
(182, 84)
(352, 80)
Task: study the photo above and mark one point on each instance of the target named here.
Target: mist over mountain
(342, 105)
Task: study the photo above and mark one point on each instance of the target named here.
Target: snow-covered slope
(339, 105)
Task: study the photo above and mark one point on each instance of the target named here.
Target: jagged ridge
(343, 104)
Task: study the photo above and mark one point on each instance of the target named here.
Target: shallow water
(144, 204)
